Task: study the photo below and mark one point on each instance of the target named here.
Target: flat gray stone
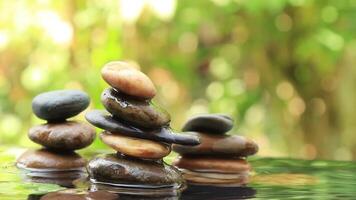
(104, 120)
(60, 104)
(209, 123)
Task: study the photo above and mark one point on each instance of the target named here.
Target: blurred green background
(285, 69)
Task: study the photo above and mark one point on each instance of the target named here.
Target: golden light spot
(220, 68)
(318, 106)
(285, 90)
(235, 87)
(296, 106)
(215, 90)
(188, 42)
(164, 9)
(283, 22)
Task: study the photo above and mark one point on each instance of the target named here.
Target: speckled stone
(69, 135)
(105, 121)
(233, 145)
(46, 159)
(209, 123)
(126, 78)
(135, 147)
(60, 104)
(141, 113)
(118, 169)
(212, 164)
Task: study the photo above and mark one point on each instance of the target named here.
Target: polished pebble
(116, 169)
(209, 123)
(141, 113)
(233, 145)
(69, 135)
(103, 120)
(60, 104)
(212, 164)
(129, 80)
(135, 147)
(50, 160)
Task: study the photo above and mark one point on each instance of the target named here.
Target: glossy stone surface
(50, 160)
(129, 80)
(135, 147)
(213, 164)
(233, 145)
(118, 169)
(60, 104)
(105, 121)
(69, 135)
(136, 112)
(209, 123)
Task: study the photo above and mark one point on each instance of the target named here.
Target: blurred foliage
(283, 68)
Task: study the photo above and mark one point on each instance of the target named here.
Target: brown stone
(68, 135)
(129, 80)
(233, 145)
(135, 147)
(242, 180)
(213, 164)
(46, 159)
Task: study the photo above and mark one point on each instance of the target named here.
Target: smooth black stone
(138, 112)
(118, 169)
(105, 121)
(60, 104)
(209, 123)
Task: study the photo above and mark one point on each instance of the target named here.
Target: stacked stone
(220, 159)
(136, 129)
(59, 136)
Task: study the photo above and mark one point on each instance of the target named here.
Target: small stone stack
(136, 129)
(220, 158)
(59, 137)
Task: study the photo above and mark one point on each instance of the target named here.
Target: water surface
(272, 178)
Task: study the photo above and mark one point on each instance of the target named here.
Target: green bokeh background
(284, 69)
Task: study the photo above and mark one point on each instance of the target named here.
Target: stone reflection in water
(217, 193)
(74, 194)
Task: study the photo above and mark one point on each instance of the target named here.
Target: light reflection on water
(272, 179)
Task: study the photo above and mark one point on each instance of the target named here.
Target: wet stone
(50, 160)
(209, 123)
(69, 135)
(60, 104)
(105, 121)
(135, 147)
(141, 113)
(213, 164)
(227, 145)
(121, 170)
(129, 80)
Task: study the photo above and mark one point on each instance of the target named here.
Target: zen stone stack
(137, 130)
(220, 159)
(59, 137)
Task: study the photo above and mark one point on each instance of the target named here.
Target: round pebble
(135, 147)
(209, 123)
(69, 135)
(136, 112)
(105, 121)
(129, 80)
(116, 169)
(233, 145)
(50, 160)
(213, 164)
(60, 104)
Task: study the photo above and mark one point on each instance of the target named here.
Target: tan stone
(128, 80)
(45, 159)
(135, 147)
(213, 164)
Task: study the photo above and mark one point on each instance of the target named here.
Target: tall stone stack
(59, 137)
(137, 130)
(220, 159)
